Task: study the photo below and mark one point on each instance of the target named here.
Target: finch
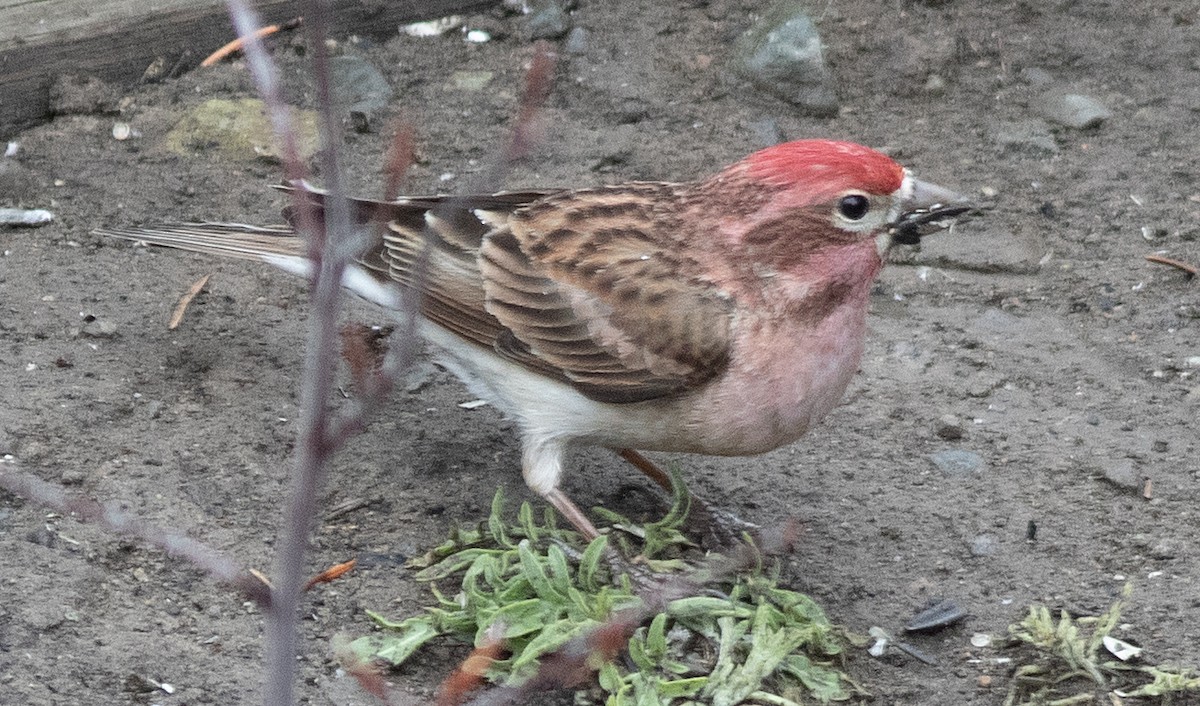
(723, 316)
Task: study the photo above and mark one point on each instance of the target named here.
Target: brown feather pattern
(568, 284)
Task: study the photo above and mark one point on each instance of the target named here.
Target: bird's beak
(927, 209)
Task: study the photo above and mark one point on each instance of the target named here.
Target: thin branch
(327, 238)
(1191, 270)
(213, 562)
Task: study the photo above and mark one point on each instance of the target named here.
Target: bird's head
(843, 192)
(807, 224)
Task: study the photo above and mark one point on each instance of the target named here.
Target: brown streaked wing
(591, 284)
(606, 310)
(450, 283)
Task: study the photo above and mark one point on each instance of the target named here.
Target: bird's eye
(854, 206)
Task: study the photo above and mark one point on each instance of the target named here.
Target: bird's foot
(721, 531)
(715, 528)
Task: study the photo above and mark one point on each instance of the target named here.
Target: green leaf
(589, 564)
(521, 618)
(682, 688)
(549, 639)
(396, 648)
(548, 588)
(560, 572)
(534, 572)
(495, 520)
(637, 653)
(1167, 682)
(525, 520)
(453, 564)
(656, 637)
(823, 683)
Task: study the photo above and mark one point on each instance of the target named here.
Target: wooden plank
(116, 40)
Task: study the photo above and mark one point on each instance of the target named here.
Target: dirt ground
(1068, 362)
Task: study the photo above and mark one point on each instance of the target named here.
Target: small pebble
(956, 462)
(1164, 549)
(99, 328)
(72, 476)
(548, 20)
(25, 217)
(950, 428)
(1034, 76)
(577, 41)
(1121, 473)
(1073, 110)
(985, 545)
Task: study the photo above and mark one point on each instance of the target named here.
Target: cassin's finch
(724, 316)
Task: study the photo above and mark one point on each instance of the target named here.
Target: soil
(1036, 336)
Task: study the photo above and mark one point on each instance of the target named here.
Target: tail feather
(223, 239)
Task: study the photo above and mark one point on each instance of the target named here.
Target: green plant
(538, 588)
(1065, 664)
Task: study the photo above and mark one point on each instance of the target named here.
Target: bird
(723, 316)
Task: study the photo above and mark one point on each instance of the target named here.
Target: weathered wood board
(116, 40)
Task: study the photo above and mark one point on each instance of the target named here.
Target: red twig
(1191, 270)
(399, 159)
(236, 45)
(538, 81)
(470, 674)
(333, 573)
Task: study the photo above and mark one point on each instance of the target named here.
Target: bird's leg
(649, 468)
(719, 528)
(572, 513)
(542, 466)
(617, 564)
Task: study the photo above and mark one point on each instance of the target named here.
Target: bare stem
(327, 250)
(217, 564)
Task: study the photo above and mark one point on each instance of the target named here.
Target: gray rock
(995, 322)
(83, 95)
(950, 428)
(983, 385)
(17, 182)
(985, 545)
(72, 476)
(766, 132)
(31, 450)
(358, 85)
(955, 462)
(99, 328)
(1036, 77)
(1121, 473)
(577, 41)
(1073, 110)
(1029, 135)
(548, 19)
(418, 376)
(782, 54)
(1164, 549)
